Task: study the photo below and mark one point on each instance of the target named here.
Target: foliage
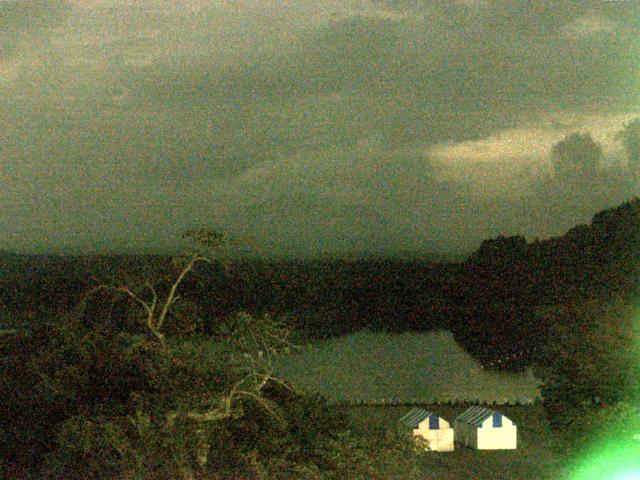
(592, 361)
(101, 399)
(162, 432)
(577, 156)
(630, 137)
(394, 454)
(500, 251)
(166, 427)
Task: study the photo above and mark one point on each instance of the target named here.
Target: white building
(485, 429)
(435, 430)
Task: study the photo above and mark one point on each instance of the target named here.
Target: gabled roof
(414, 417)
(475, 416)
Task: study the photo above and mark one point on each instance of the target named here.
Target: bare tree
(155, 309)
(250, 344)
(155, 312)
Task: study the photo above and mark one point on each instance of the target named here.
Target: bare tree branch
(170, 299)
(155, 296)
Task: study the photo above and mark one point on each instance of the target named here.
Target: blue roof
(475, 416)
(415, 416)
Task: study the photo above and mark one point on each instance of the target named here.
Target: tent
(435, 430)
(485, 429)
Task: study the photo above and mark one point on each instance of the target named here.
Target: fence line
(411, 402)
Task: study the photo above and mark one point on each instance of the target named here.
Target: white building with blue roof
(485, 429)
(435, 430)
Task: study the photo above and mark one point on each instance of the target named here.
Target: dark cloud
(26, 24)
(311, 126)
(518, 56)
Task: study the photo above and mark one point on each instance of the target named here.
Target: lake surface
(410, 367)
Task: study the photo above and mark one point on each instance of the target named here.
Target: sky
(310, 127)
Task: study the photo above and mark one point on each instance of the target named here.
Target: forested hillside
(515, 294)
(500, 302)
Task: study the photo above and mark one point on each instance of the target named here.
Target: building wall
(505, 438)
(487, 437)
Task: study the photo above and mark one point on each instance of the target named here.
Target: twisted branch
(154, 322)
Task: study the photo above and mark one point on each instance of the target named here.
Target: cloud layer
(312, 127)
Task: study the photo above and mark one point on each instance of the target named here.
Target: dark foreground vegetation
(105, 373)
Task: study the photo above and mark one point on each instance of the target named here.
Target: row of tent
(477, 427)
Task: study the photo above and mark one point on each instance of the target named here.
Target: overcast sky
(311, 127)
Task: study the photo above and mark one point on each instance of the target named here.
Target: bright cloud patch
(588, 25)
(529, 147)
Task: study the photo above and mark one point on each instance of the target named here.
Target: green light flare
(616, 460)
(614, 452)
